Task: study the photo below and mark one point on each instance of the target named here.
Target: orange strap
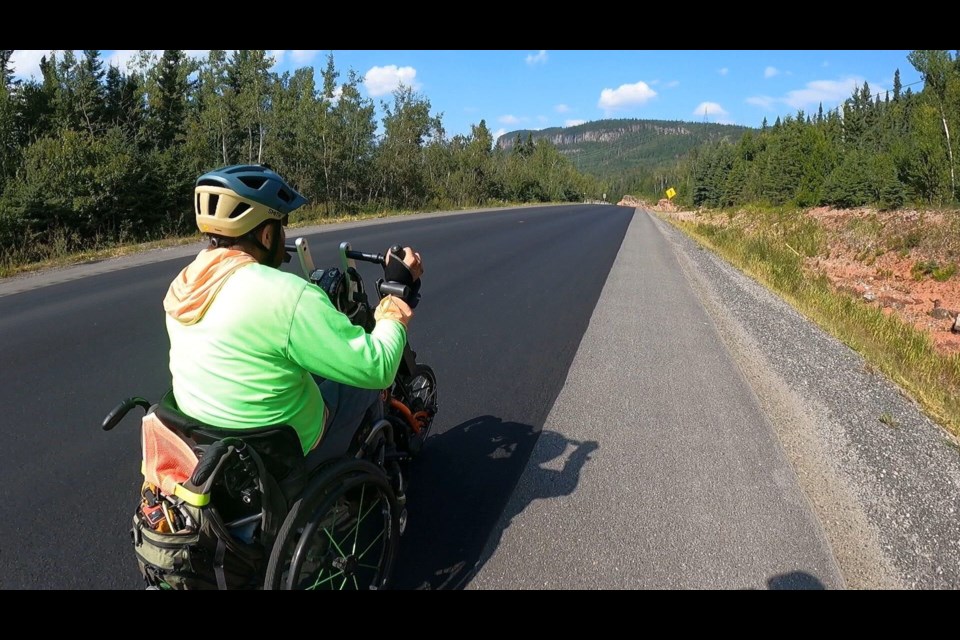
(415, 420)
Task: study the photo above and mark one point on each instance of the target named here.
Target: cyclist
(252, 345)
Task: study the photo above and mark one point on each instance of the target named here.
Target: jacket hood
(193, 290)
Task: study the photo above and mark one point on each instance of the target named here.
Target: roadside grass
(58, 248)
(770, 247)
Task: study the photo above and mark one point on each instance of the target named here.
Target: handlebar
(376, 258)
(347, 266)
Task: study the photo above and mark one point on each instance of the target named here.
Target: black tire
(342, 534)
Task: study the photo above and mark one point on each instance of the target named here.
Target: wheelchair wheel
(342, 534)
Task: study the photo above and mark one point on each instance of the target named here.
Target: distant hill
(606, 148)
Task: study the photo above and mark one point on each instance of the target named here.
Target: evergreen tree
(940, 80)
(6, 70)
(89, 91)
(169, 91)
(249, 75)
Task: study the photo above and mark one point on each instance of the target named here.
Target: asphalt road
(619, 410)
(506, 298)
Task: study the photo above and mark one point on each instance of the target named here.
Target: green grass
(770, 247)
(58, 248)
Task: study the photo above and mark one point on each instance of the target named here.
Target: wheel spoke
(356, 529)
(363, 516)
(334, 542)
(318, 581)
(370, 546)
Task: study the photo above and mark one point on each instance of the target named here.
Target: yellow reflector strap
(191, 498)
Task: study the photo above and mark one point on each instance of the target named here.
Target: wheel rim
(423, 388)
(349, 547)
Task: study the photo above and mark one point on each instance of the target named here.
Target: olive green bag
(202, 556)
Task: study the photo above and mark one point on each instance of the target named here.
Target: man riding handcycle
(276, 460)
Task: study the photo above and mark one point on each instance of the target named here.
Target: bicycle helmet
(233, 200)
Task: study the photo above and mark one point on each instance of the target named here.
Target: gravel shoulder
(887, 492)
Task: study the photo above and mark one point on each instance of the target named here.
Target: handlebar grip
(376, 258)
(211, 460)
(394, 289)
(116, 415)
(398, 251)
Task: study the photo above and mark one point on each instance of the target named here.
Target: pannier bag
(179, 537)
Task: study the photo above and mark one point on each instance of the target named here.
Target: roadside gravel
(887, 492)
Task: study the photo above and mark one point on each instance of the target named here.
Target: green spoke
(372, 542)
(363, 516)
(356, 530)
(334, 543)
(356, 585)
(318, 581)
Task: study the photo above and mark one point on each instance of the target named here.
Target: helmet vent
(254, 182)
(212, 204)
(284, 195)
(241, 208)
(209, 183)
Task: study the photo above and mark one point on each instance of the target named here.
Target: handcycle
(243, 509)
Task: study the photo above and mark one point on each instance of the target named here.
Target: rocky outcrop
(570, 136)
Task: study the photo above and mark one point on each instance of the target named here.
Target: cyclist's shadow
(464, 480)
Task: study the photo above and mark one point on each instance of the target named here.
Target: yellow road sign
(671, 192)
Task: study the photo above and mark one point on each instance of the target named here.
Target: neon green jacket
(245, 338)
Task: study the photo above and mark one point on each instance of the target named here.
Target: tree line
(886, 151)
(107, 155)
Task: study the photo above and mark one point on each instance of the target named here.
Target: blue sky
(536, 89)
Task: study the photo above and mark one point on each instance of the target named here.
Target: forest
(96, 156)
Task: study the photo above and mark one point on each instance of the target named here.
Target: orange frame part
(416, 420)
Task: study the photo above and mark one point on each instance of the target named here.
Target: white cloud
(823, 91)
(572, 123)
(672, 84)
(724, 71)
(826, 92)
(764, 102)
(381, 81)
(561, 108)
(539, 57)
(26, 62)
(626, 95)
(769, 72)
(710, 109)
(278, 56)
(498, 133)
(508, 119)
(543, 119)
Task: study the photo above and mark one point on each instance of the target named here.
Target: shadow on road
(795, 581)
(461, 486)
